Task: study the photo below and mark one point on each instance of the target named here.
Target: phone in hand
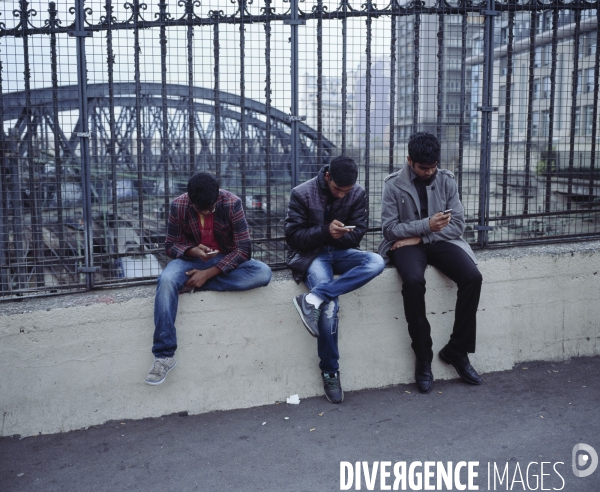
(349, 227)
(212, 252)
(446, 212)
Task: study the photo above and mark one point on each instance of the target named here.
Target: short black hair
(343, 170)
(424, 148)
(203, 190)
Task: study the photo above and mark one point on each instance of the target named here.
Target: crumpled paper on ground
(294, 400)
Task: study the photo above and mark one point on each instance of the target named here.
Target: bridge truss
(142, 149)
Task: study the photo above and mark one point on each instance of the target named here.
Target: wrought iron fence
(108, 107)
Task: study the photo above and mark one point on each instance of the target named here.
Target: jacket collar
(321, 179)
(404, 182)
(323, 187)
(413, 175)
(406, 175)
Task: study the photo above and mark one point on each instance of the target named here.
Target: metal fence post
(84, 135)
(295, 119)
(486, 109)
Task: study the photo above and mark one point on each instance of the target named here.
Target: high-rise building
(332, 110)
(525, 89)
(379, 103)
(432, 80)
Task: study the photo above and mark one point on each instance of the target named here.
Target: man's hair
(203, 190)
(343, 170)
(424, 148)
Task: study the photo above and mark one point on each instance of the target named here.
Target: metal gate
(108, 107)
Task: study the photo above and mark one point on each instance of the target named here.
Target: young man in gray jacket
(423, 221)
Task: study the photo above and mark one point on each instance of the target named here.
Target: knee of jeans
(376, 262)
(264, 275)
(330, 309)
(328, 323)
(165, 282)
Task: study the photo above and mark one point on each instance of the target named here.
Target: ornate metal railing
(108, 107)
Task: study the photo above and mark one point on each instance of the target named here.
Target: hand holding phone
(440, 220)
(337, 229)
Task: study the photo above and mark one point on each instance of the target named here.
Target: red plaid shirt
(230, 228)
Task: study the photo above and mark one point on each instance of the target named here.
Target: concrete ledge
(76, 361)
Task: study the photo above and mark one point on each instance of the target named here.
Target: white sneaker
(159, 370)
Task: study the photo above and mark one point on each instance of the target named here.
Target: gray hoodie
(401, 211)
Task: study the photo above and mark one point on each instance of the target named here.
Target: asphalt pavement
(515, 432)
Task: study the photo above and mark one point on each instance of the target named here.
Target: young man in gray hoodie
(423, 221)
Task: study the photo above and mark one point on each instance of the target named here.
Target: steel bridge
(187, 140)
(133, 179)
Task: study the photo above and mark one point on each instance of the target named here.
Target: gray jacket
(401, 211)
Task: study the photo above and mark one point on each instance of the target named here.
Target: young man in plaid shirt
(208, 239)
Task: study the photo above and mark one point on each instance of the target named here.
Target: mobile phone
(211, 252)
(446, 212)
(349, 227)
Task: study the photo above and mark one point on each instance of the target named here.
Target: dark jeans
(452, 261)
(355, 268)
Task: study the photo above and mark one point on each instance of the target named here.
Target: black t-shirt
(420, 185)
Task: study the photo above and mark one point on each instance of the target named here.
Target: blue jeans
(355, 268)
(248, 275)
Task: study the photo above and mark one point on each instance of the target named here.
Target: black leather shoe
(461, 363)
(423, 375)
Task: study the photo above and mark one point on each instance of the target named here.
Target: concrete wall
(70, 362)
